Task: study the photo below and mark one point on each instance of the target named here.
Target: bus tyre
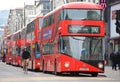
(94, 74)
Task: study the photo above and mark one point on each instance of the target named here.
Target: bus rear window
(84, 29)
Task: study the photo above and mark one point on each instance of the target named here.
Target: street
(10, 73)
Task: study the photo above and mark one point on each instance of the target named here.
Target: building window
(46, 6)
(31, 12)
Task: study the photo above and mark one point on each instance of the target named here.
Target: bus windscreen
(81, 14)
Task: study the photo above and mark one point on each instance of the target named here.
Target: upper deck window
(23, 33)
(48, 20)
(40, 22)
(81, 14)
(15, 37)
(30, 27)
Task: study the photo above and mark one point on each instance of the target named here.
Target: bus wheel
(94, 74)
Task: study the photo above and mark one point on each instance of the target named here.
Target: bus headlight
(38, 63)
(10, 58)
(100, 65)
(67, 64)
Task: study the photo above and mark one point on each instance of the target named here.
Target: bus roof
(81, 5)
(9, 35)
(17, 31)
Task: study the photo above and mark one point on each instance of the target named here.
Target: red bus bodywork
(33, 43)
(16, 46)
(9, 56)
(3, 49)
(58, 62)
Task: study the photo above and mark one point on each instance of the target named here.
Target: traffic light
(117, 21)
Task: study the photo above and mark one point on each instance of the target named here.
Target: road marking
(16, 79)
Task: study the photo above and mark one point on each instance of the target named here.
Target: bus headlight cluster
(10, 58)
(67, 64)
(100, 65)
(38, 63)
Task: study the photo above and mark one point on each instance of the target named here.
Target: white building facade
(114, 37)
(15, 20)
(28, 13)
(43, 7)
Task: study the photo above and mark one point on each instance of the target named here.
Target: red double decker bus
(3, 49)
(16, 48)
(9, 49)
(72, 39)
(33, 43)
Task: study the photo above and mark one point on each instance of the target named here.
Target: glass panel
(48, 20)
(37, 48)
(81, 14)
(48, 48)
(23, 33)
(32, 36)
(31, 27)
(37, 55)
(15, 36)
(18, 49)
(82, 48)
(28, 37)
(40, 22)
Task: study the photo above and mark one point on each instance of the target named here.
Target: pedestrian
(118, 59)
(113, 60)
(3, 58)
(25, 57)
(106, 59)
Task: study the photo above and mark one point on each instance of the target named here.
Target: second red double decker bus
(32, 42)
(4, 49)
(72, 39)
(16, 48)
(9, 56)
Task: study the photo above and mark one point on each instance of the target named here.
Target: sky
(13, 4)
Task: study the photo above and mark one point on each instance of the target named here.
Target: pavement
(115, 74)
(109, 73)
